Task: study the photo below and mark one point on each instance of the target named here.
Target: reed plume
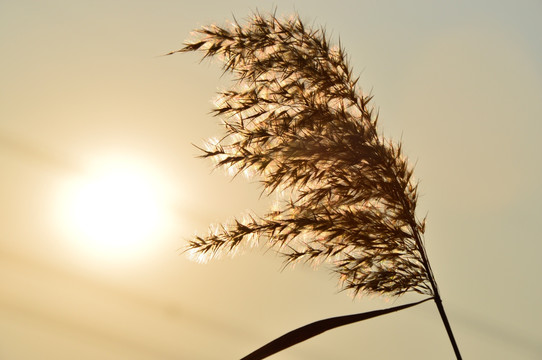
(296, 119)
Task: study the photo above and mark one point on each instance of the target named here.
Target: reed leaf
(316, 328)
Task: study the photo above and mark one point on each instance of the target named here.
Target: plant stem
(444, 318)
(436, 294)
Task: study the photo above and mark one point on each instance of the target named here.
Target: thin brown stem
(436, 294)
(444, 318)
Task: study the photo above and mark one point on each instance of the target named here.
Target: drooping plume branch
(296, 119)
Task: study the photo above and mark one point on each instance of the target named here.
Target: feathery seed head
(298, 121)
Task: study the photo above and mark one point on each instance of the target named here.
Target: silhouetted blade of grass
(316, 328)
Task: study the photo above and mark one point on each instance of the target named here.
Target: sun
(116, 211)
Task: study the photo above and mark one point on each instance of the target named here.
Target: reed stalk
(297, 119)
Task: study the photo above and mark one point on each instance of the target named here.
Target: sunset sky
(100, 186)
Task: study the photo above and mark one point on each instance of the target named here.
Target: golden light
(116, 212)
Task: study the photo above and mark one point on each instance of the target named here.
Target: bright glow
(116, 212)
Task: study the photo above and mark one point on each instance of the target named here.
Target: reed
(296, 119)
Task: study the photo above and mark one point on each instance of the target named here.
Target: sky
(92, 118)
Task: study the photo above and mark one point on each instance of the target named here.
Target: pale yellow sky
(84, 88)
